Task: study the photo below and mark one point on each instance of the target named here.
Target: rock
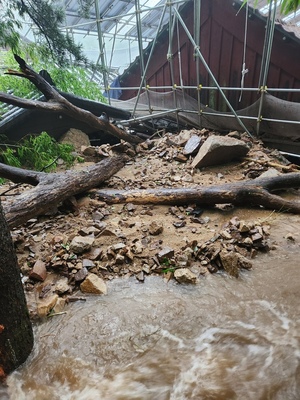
(93, 284)
(88, 151)
(38, 271)
(165, 253)
(155, 228)
(94, 254)
(87, 263)
(192, 145)
(140, 276)
(184, 275)
(62, 286)
(80, 244)
(232, 263)
(46, 305)
(182, 138)
(269, 173)
(59, 305)
(81, 274)
(77, 138)
(219, 150)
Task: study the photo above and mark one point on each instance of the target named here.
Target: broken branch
(250, 193)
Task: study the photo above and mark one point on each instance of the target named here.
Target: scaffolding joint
(263, 89)
(199, 87)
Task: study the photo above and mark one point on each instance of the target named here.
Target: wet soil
(142, 240)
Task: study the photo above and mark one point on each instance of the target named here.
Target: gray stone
(219, 150)
(185, 275)
(77, 138)
(192, 145)
(62, 286)
(93, 284)
(269, 173)
(165, 253)
(155, 228)
(80, 244)
(81, 274)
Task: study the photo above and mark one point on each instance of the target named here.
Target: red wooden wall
(222, 45)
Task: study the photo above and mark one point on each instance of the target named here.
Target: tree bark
(56, 102)
(16, 336)
(53, 188)
(247, 193)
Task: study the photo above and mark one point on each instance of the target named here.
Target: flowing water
(222, 339)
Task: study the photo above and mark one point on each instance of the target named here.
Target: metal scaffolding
(139, 22)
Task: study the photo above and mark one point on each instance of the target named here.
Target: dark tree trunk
(51, 189)
(16, 336)
(250, 193)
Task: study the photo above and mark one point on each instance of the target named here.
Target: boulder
(219, 150)
(77, 138)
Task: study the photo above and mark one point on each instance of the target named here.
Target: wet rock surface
(73, 253)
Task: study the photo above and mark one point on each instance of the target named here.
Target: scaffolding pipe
(101, 48)
(197, 32)
(170, 57)
(149, 58)
(266, 60)
(210, 72)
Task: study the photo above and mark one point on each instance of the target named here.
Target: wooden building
(223, 44)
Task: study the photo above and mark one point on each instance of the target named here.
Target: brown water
(222, 339)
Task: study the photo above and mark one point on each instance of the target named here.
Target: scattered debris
(80, 248)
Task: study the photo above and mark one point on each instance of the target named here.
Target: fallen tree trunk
(247, 193)
(56, 102)
(53, 188)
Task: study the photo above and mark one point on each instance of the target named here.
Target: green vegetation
(72, 79)
(46, 17)
(286, 6)
(39, 153)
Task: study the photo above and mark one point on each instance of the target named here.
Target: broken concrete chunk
(93, 284)
(219, 150)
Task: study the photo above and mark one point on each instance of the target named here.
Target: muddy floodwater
(224, 338)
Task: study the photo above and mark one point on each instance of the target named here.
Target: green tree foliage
(47, 18)
(37, 153)
(286, 6)
(72, 79)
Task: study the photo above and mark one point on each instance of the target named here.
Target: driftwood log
(56, 102)
(50, 189)
(249, 193)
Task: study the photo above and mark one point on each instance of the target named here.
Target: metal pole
(197, 32)
(101, 48)
(170, 58)
(210, 72)
(266, 62)
(149, 58)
